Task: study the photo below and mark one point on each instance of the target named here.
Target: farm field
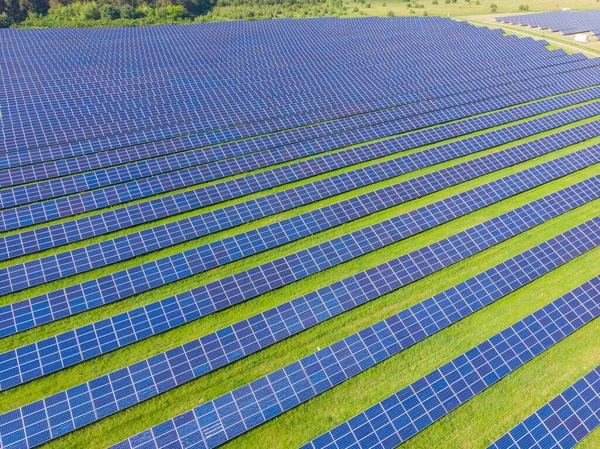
(190, 209)
(460, 8)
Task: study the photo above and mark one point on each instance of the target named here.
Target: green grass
(475, 424)
(461, 8)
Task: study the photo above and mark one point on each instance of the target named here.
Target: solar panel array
(106, 395)
(416, 406)
(565, 22)
(29, 173)
(65, 207)
(68, 263)
(31, 312)
(134, 162)
(46, 356)
(102, 223)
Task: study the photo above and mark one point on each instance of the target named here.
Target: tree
(127, 12)
(109, 12)
(494, 7)
(89, 11)
(34, 6)
(5, 21)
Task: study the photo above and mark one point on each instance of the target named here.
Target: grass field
(462, 8)
(477, 423)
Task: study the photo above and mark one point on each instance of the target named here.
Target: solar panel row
(55, 353)
(410, 410)
(225, 104)
(64, 167)
(41, 309)
(122, 248)
(63, 412)
(68, 206)
(242, 131)
(561, 423)
(139, 213)
(565, 22)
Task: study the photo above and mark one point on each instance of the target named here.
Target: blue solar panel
(136, 214)
(449, 87)
(148, 115)
(68, 206)
(215, 93)
(563, 21)
(467, 93)
(26, 242)
(122, 389)
(25, 314)
(98, 255)
(49, 355)
(561, 423)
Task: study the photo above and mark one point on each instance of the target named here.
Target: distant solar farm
(564, 22)
(319, 233)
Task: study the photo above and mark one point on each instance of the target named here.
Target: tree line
(83, 13)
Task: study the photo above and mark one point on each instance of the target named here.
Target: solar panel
(475, 90)
(122, 248)
(58, 352)
(108, 394)
(561, 423)
(107, 129)
(68, 206)
(136, 214)
(273, 125)
(31, 312)
(412, 409)
(208, 94)
(562, 21)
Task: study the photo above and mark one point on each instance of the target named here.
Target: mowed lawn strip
(187, 396)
